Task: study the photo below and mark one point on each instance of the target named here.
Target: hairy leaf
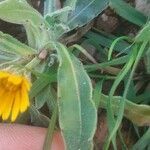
(20, 12)
(41, 83)
(77, 113)
(85, 11)
(137, 113)
(12, 45)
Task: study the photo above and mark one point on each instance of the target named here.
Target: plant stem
(50, 130)
(33, 63)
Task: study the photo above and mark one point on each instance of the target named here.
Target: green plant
(75, 102)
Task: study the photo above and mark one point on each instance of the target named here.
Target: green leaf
(41, 83)
(56, 20)
(139, 114)
(72, 5)
(97, 93)
(143, 142)
(52, 101)
(50, 131)
(131, 91)
(11, 45)
(112, 123)
(38, 118)
(49, 6)
(110, 52)
(100, 38)
(19, 12)
(77, 113)
(147, 61)
(38, 36)
(117, 61)
(85, 11)
(128, 12)
(46, 96)
(6, 57)
(142, 98)
(144, 34)
(42, 97)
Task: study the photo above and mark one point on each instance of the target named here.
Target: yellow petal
(24, 99)
(15, 79)
(27, 84)
(2, 94)
(8, 107)
(4, 101)
(16, 106)
(3, 74)
(13, 102)
(1, 91)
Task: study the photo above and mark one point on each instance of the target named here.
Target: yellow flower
(14, 97)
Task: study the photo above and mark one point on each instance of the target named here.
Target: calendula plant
(46, 72)
(35, 60)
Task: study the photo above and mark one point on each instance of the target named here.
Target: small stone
(107, 23)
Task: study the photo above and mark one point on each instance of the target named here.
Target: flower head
(14, 97)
